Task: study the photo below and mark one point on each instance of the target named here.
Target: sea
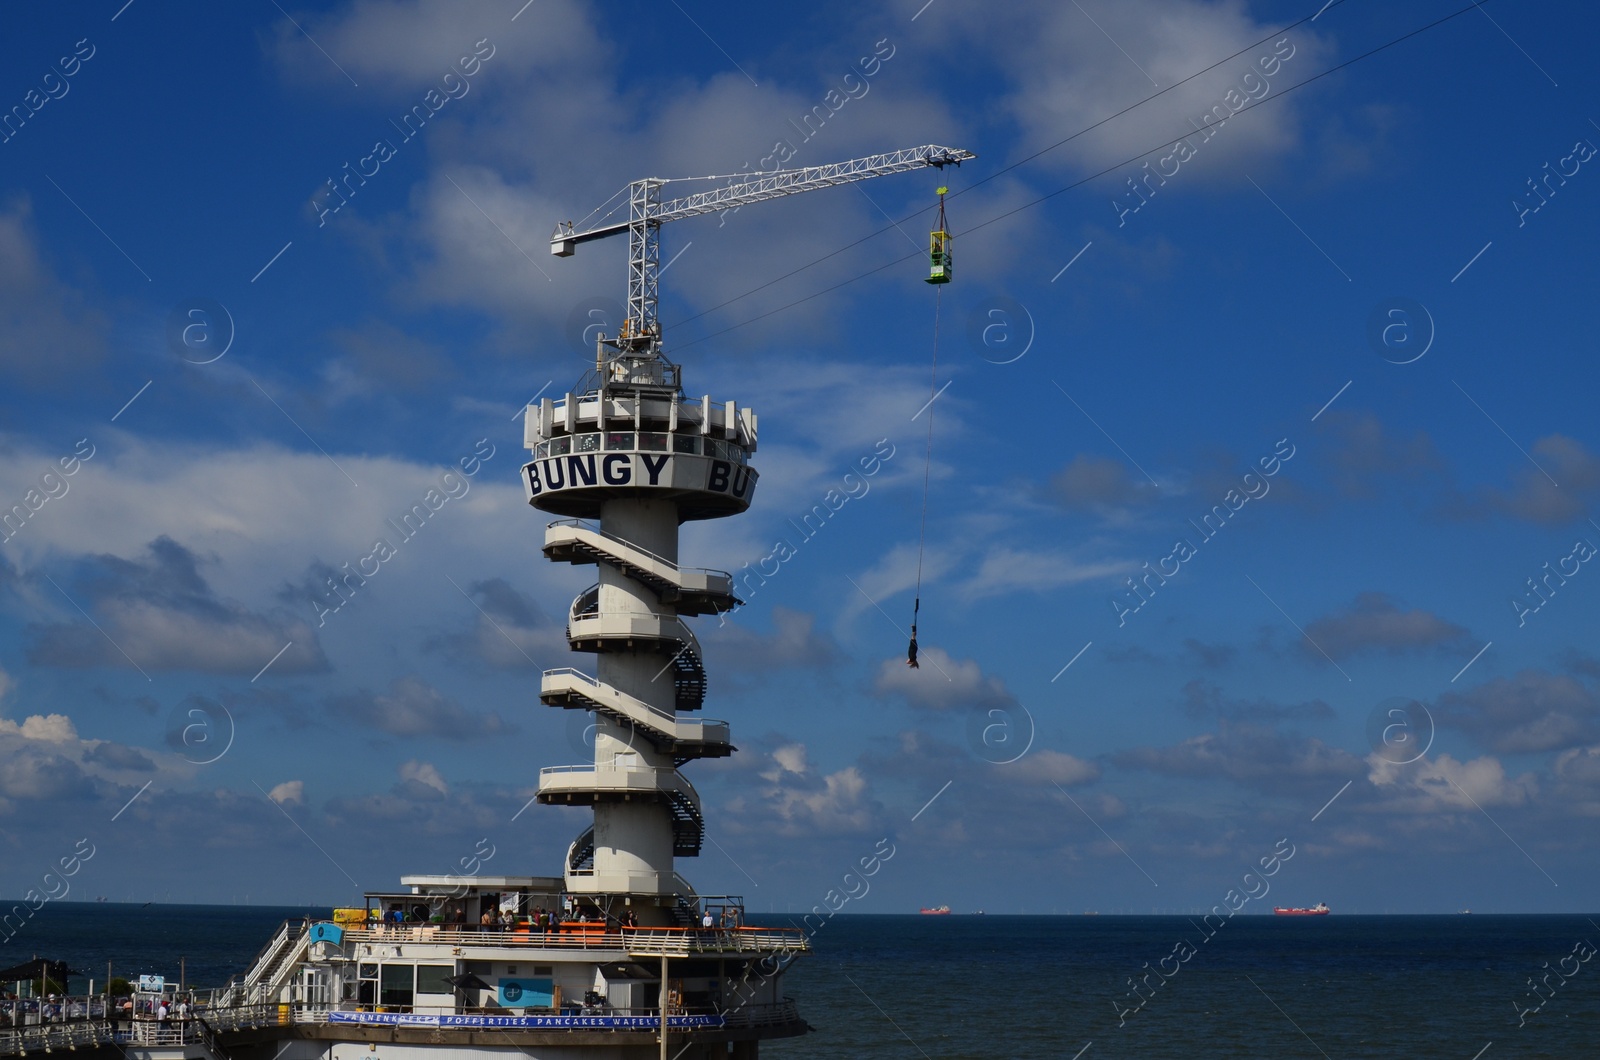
(949, 987)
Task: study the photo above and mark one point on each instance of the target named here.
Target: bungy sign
(664, 471)
(407, 1019)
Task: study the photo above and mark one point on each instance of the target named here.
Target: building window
(397, 985)
(435, 978)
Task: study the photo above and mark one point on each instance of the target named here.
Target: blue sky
(1119, 364)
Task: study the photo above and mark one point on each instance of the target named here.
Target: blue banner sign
(616, 1023)
(326, 932)
(526, 993)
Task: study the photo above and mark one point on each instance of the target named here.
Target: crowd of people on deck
(573, 918)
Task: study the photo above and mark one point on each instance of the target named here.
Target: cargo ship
(938, 910)
(1320, 909)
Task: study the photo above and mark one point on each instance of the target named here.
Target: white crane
(641, 333)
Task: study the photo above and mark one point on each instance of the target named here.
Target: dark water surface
(216, 941)
(1262, 986)
(1022, 986)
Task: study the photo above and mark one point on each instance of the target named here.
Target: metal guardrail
(55, 1035)
(759, 1015)
(594, 528)
(785, 1011)
(70, 1034)
(285, 936)
(681, 782)
(583, 683)
(123, 1032)
(597, 937)
(570, 681)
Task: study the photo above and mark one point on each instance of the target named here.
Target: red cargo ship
(1320, 909)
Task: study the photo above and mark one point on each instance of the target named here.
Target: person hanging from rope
(911, 649)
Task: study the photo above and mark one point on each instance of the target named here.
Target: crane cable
(927, 470)
(940, 261)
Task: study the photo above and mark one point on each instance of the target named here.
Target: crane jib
(765, 186)
(640, 335)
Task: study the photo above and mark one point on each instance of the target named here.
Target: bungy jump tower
(617, 957)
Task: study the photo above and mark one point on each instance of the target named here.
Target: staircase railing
(263, 975)
(580, 853)
(688, 824)
(593, 528)
(269, 953)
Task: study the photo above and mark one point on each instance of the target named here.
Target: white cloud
(941, 682)
(401, 44)
(47, 728)
(794, 642)
(1044, 766)
(790, 758)
(1443, 783)
(796, 800)
(43, 758)
(896, 572)
(39, 313)
(155, 637)
(426, 774)
(259, 519)
(1581, 764)
(500, 185)
(287, 792)
(508, 630)
(1578, 780)
(413, 707)
(1073, 65)
(1005, 571)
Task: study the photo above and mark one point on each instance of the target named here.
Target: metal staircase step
(577, 542)
(580, 855)
(656, 725)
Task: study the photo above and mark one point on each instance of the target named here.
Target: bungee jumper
(911, 649)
